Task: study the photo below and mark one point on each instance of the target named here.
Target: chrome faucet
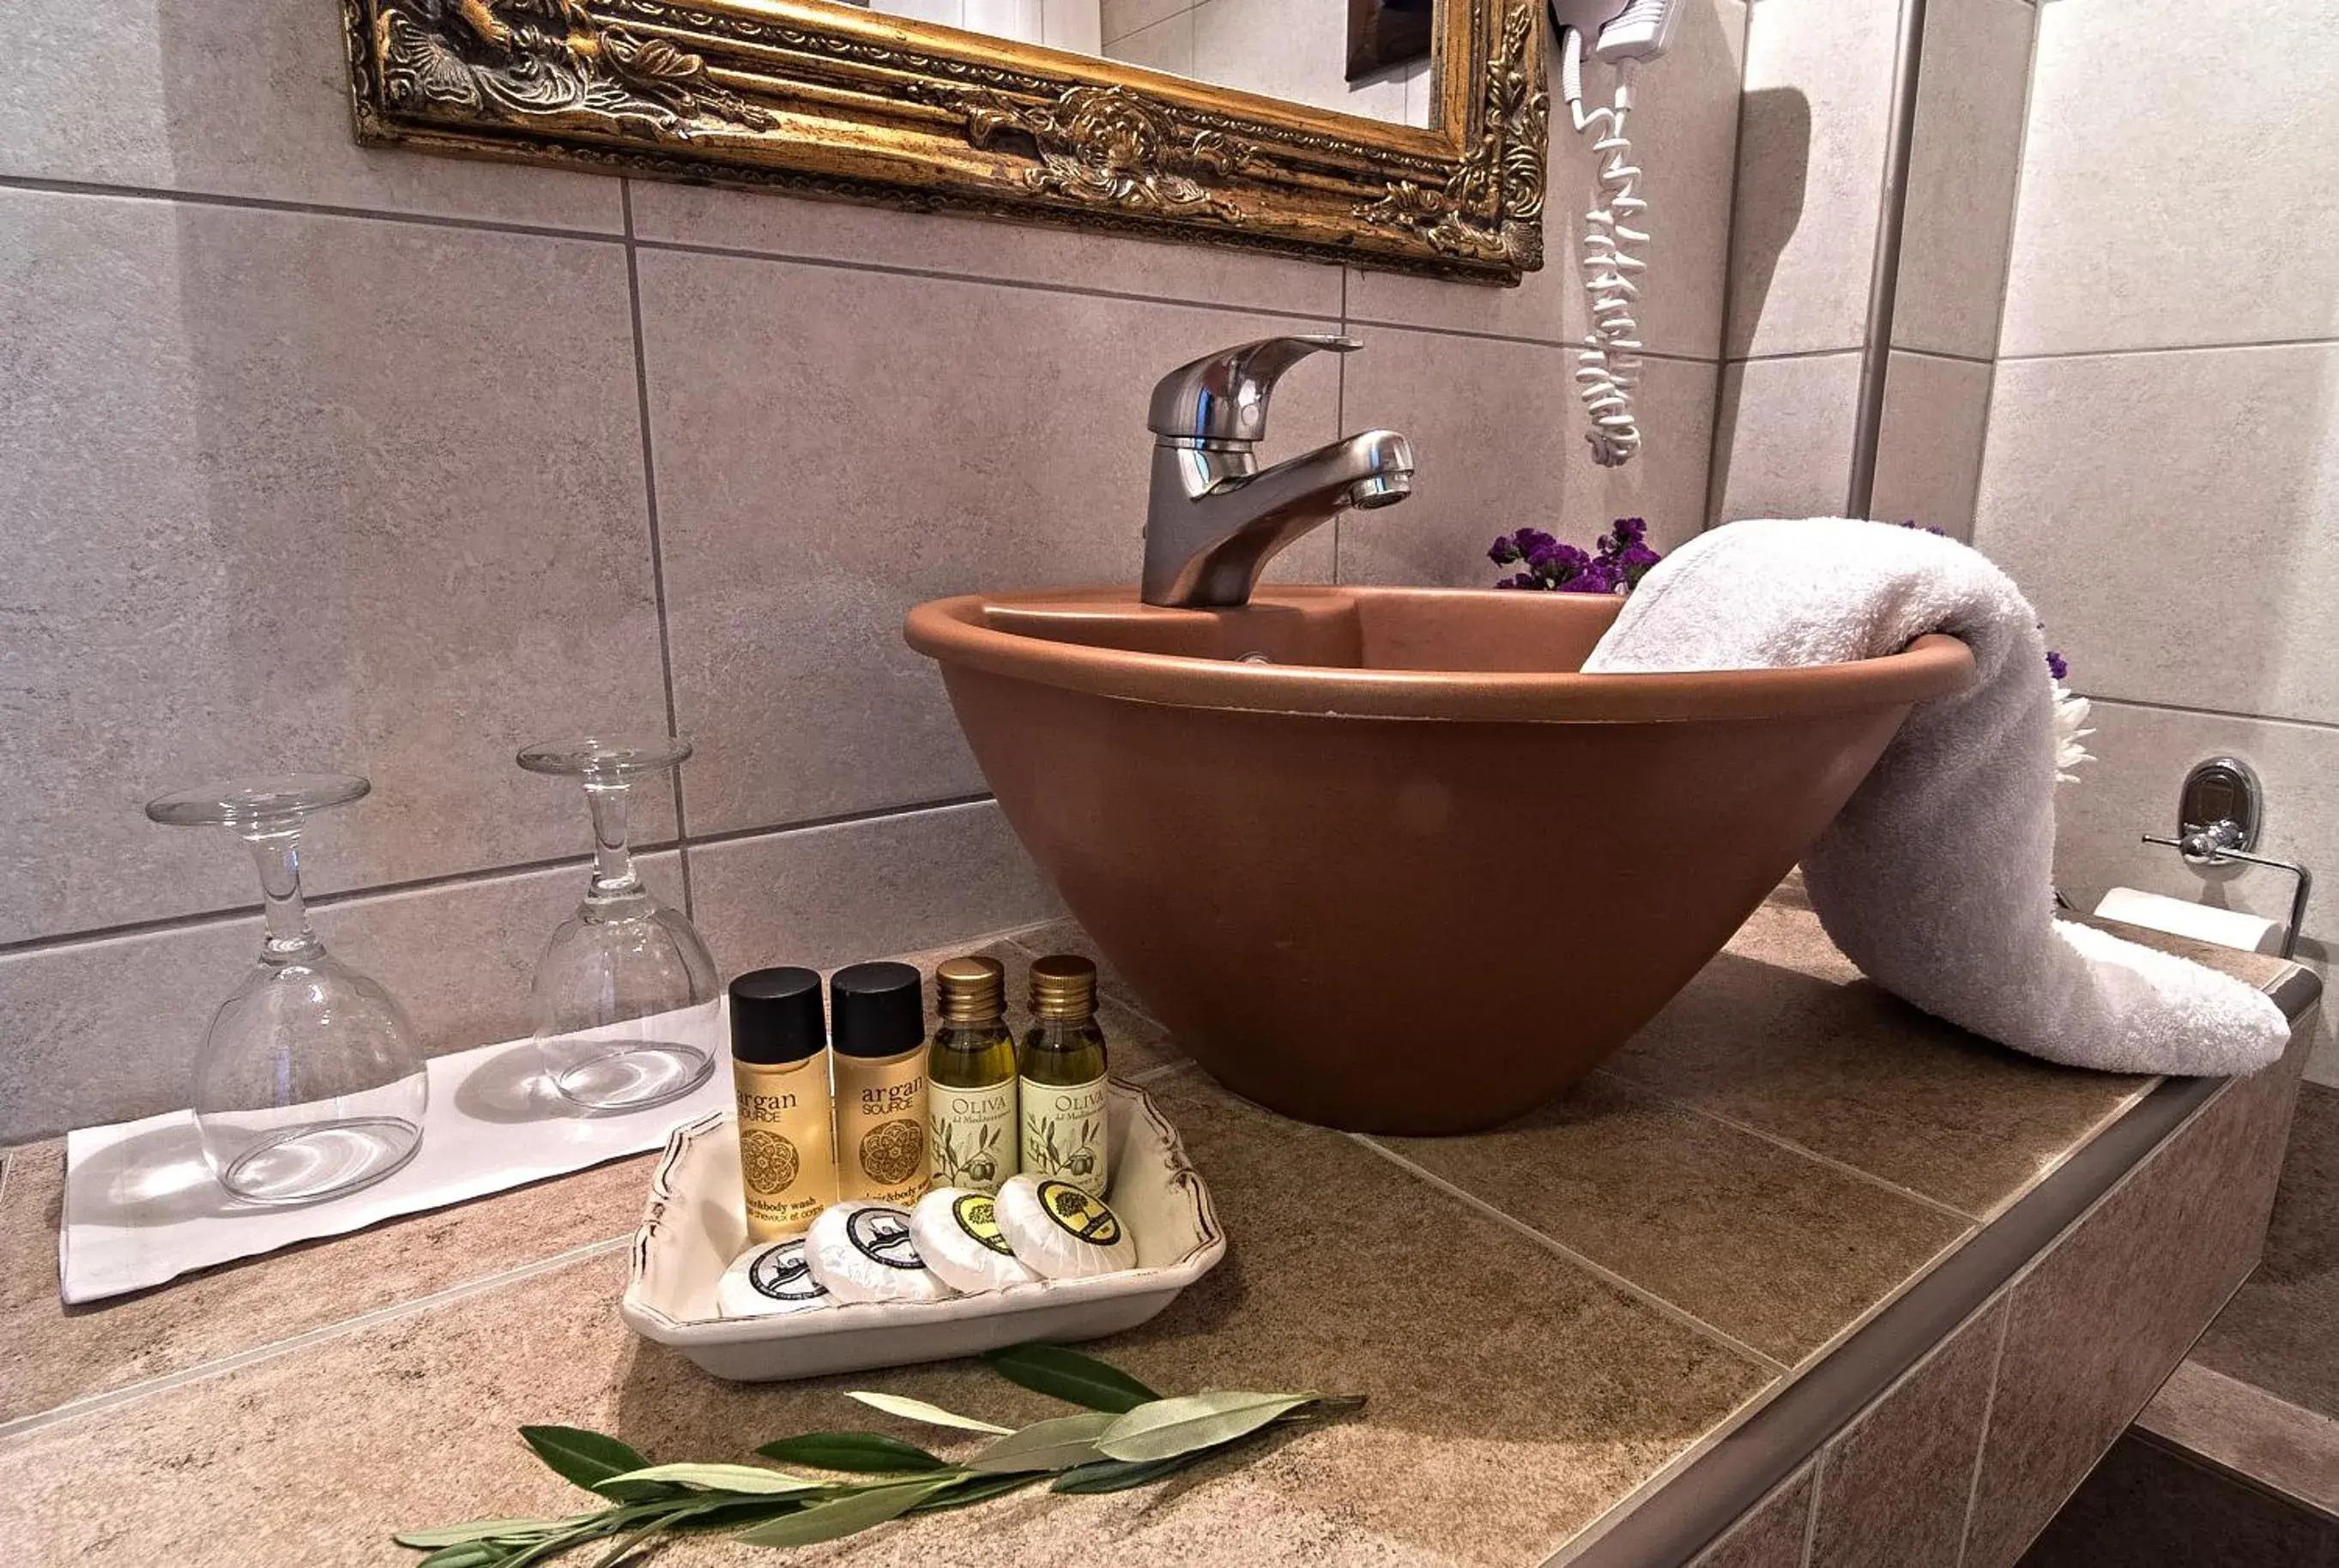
(1215, 518)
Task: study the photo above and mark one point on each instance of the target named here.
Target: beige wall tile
(1164, 46)
(294, 491)
(1810, 166)
(1963, 166)
(1120, 18)
(830, 895)
(833, 447)
(1894, 1486)
(1783, 434)
(2177, 190)
(237, 98)
(2168, 514)
(1770, 1534)
(107, 1030)
(1498, 434)
(1928, 451)
(770, 223)
(2099, 1323)
(1684, 134)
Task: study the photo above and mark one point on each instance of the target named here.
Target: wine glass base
(634, 1077)
(323, 1159)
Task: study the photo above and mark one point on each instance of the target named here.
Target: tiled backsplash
(327, 456)
(1813, 157)
(2163, 446)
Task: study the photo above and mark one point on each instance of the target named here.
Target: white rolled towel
(1936, 879)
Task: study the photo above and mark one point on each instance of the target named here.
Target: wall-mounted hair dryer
(1622, 33)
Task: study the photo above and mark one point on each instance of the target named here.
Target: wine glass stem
(612, 862)
(276, 852)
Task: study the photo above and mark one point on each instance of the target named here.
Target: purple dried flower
(1624, 557)
(2057, 666)
(1597, 577)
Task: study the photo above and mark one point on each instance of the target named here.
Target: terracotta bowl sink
(1381, 858)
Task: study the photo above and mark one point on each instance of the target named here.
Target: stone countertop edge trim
(1697, 1502)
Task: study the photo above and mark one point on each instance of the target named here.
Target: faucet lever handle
(1222, 396)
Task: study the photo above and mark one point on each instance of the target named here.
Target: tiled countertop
(1550, 1319)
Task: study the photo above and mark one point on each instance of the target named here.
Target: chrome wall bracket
(2220, 813)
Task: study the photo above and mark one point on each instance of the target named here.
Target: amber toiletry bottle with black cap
(971, 1065)
(880, 1012)
(1061, 1073)
(779, 1068)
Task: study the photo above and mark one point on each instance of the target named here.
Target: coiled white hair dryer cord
(1609, 366)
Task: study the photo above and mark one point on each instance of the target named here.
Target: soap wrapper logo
(972, 1131)
(977, 1215)
(883, 1236)
(1082, 1213)
(1065, 1133)
(782, 1274)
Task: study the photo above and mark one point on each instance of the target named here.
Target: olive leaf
(1128, 1437)
(868, 1452)
(586, 1458)
(1069, 1376)
(842, 1516)
(749, 1478)
(1120, 1474)
(1046, 1445)
(910, 1409)
(1167, 1427)
(487, 1530)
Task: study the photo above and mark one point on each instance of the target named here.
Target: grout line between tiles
(1780, 1140)
(890, 269)
(650, 508)
(210, 917)
(1943, 354)
(1525, 339)
(2325, 725)
(1607, 1276)
(479, 876)
(310, 209)
(1981, 1447)
(113, 1398)
(2304, 342)
(1793, 354)
(1812, 1519)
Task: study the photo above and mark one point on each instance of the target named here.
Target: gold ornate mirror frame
(829, 101)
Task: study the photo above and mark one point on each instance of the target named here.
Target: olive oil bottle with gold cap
(1060, 1074)
(971, 1078)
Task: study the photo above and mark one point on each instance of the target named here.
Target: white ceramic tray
(697, 1224)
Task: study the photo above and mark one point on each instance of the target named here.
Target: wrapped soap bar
(768, 1279)
(864, 1252)
(1060, 1231)
(957, 1233)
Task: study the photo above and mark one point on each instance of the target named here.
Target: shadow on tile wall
(329, 456)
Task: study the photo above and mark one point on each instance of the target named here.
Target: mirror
(1364, 57)
(1402, 133)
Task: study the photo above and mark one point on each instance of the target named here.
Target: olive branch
(1125, 1436)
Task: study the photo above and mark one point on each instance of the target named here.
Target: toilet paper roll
(2182, 917)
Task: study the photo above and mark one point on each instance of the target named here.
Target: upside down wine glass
(626, 1000)
(309, 1083)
